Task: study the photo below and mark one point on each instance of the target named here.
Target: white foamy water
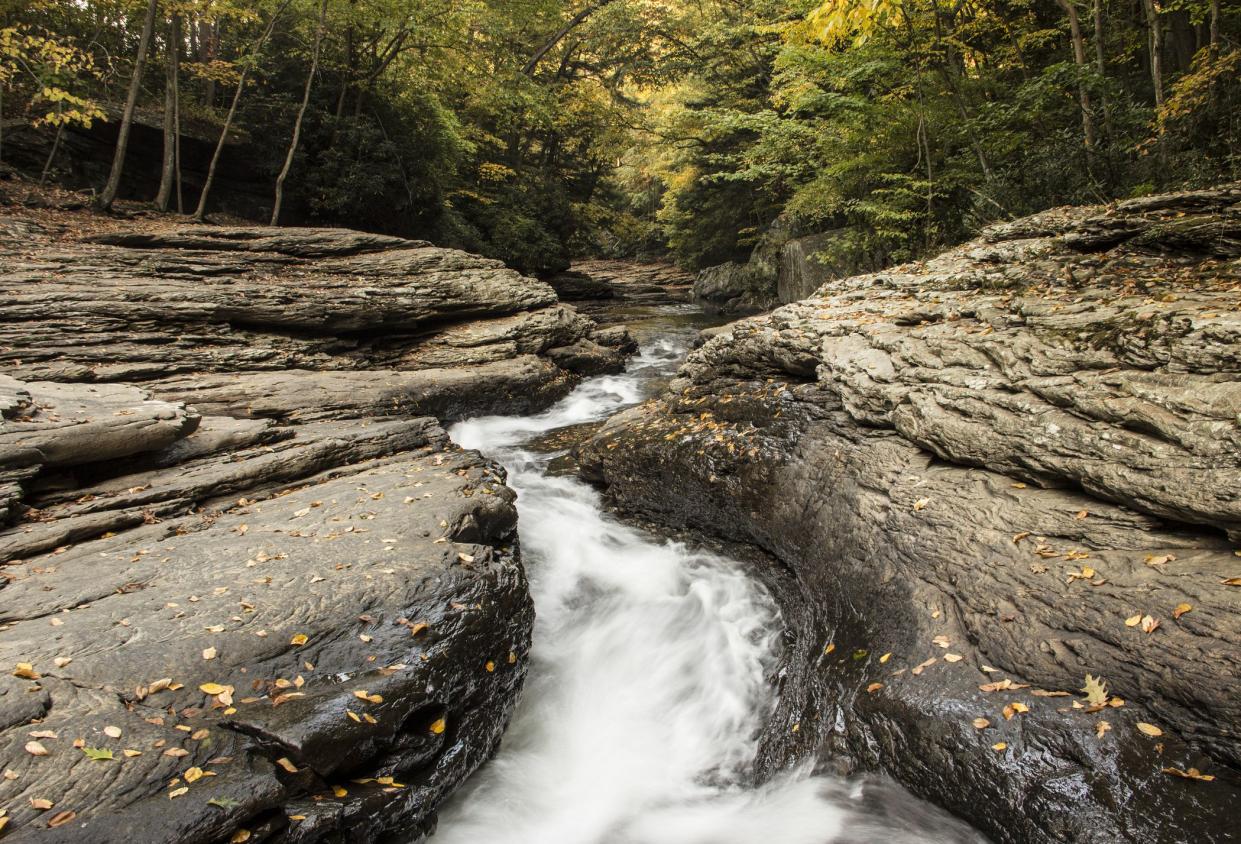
(649, 675)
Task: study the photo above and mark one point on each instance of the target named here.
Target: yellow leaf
(177, 792)
(490, 666)
(921, 503)
(240, 837)
(1148, 729)
(1096, 691)
(299, 639)
(353, 715)
(1181, 609)
(340, 791)
(999, 747)
(193, 774)
(885, 657)
(439, 725)
(830, 647)
(1190, 774)
(26, 671)
(285, 763)
(214, 688)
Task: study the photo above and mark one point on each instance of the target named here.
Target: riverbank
(993, 475)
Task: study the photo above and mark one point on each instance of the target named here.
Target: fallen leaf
(1148, 729)
(1020, 536)
(176, 752)
(41, 803)
(952, 657)
(131, 753)
(285, 763)
(1189, 774)
(830, 647)
(112, 732)
(214, 688)
(999, 747)
(490, 666)
(34, 748)
(921, 503)
(922, 666)
(62, 661)
(942, 641)
(1181, 609)
(1149, 624)
(340, 791)
(1133, 620)
(1045, 693)
(61, 818)
(874, 687)
(885, 658)
(26, 671)
(439, 725)
(299, 639)
(981, 723)
(97, 754)
(193, 774)
(240, 837)
(1095, 690)
(177, 792)
(44, 734)
(1101, 728)
(209, 653)
(417, 627)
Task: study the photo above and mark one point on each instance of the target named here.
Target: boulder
(1005, 481)
(573, 286)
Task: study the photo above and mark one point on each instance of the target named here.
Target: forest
(539, 130)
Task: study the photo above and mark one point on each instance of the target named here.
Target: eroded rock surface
(249, 586)
(994, 473)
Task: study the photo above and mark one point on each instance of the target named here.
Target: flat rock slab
(392, 593)
(993, 474)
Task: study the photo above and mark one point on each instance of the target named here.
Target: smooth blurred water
(648, 681)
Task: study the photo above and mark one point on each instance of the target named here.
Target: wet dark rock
(986, 465)
(573, 286)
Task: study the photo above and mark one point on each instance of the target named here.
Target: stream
(650, 675)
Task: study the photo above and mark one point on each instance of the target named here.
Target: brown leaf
(874, 687)
(61, 818)
(1189, 774)
(981, 723)
(1181, 609)
(41, 803)
(1149, 624)
(1101, 728)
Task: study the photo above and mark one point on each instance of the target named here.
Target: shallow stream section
(652, 670)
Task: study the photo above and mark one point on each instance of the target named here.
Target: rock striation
(993, 474)
(251, 591)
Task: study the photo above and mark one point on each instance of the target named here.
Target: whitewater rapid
(649, 679)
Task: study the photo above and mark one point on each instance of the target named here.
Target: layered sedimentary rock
(993, 474)
(250, 589)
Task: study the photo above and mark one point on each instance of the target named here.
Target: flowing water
(649, 675)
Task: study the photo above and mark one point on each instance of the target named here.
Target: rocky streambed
(1005, 482)
(963, 532)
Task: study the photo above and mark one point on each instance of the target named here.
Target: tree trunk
(1100, 60)
(51, 156)
(167, 176)
(200, 212)
(301, 114)
(1155, 38)
(1214, 26)
(1079, 58)
(113, 186)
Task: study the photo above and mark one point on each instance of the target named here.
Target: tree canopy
(533, 130)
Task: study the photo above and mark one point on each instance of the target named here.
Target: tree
(1079, 58)
(108, 195)
(170, 173)
(200, 213)
(301, 115)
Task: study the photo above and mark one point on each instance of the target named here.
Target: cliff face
(993, 474)
(251, 591)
